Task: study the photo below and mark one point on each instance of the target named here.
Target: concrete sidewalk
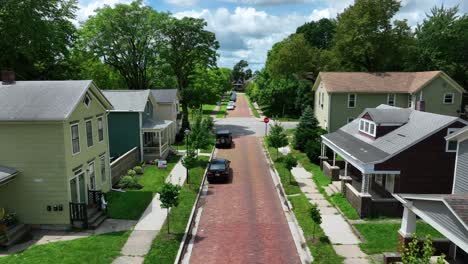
(150, 223)
(344, 241)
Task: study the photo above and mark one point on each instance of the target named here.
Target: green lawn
(93, 249)
(222, 110)
(208, 109)
(165, 246)
(252, 107)
(383, 237)
(132, 203)
(321, 249)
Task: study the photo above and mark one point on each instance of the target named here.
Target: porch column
(346, 169)
(322, 153)
(408, 227)
(160, 153)
(334, 158)
(365, 184)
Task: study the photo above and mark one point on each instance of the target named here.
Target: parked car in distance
(231, 106)
(233, 97)
(223, 139)
(218, 170)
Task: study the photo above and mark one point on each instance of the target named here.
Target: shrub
(131, 173)
(129, 182)
(312, 150)
(290, 161)
(138, 170)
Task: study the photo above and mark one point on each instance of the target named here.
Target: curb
(188, 230)
(299, 239)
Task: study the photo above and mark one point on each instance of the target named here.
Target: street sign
(266, 120)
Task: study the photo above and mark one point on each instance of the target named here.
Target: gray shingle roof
(127, 100)
(40, 100)
(419, 126)
(165, 95)
(389, 115)
(6, 173)
(156, 124)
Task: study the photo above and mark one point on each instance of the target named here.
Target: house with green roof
(54, 155)
(340, 97)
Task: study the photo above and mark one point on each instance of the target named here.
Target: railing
(94, 198)
(79, 212)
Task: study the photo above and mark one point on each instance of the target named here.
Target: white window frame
(410, 100)
(89, 98)
(390, 183)
(102, 160)
(394, 99)
(86, 132)
(100, 122)
(366, 127)
(71, 138)
(355, 100)
(452, 100)
(451, 131)
(89, 175)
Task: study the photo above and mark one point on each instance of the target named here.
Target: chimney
(421, 106)
(8, 77)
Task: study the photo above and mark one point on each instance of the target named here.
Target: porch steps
(334, 187)
(95, 218)
(14, 234)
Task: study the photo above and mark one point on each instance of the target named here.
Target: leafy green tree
(316, 217)
(190, 161)
(169, 197)
(367, 40)
(128, 38)
(413, 253)
(277, 138)
(307, 129)
(200, 135)
(320, 33)
(207, 86)
(35, 36)
(290, 162)
(442, 42)
(187, 46)
(239, 71)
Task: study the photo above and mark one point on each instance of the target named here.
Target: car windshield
(217, 165)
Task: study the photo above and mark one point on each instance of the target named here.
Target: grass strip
(93, 249)
(132, 203)
(165, 246)
(252, 107)
(222, 110)
(383, 237)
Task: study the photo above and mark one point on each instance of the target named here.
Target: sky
(247, 29)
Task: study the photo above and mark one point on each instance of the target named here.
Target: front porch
(369, 193)
(157, 138)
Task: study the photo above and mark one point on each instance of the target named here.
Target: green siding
(124, 132)
(433, 95)
(36, 150)
(340, 112)
(148, 114)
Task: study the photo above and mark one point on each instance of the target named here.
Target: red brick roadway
(242, 107)
(242, 220)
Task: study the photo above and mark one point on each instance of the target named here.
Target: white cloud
(181, 2)
(268, 2)
(87, 8)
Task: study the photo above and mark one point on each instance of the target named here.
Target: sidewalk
(149, 224)
(344, 241)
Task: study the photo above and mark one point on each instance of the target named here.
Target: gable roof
(379, 82)
(370, 151)
(6, 174)
(388, 115)
(165, 95)
(127, 100)
(43, 100)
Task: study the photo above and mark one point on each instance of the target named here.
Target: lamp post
(187, 132)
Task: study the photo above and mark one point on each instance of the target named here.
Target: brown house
(390, 150)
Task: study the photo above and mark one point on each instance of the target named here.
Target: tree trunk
(313, 232)
(188, 182)
(168, 220)
(185, 118)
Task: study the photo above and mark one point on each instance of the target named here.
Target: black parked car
(223, 139)
(233, 97)
(218, 170)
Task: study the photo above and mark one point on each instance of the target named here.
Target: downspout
(108, 149)
(141, 135)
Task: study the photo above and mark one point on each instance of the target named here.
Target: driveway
(242, 220)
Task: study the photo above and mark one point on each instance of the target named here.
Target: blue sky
(246, 29)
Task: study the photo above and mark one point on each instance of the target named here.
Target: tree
(190, 161)
(306, 130)
(290, 162)
(239, 71)
(277, 138)
(169, 197)
(35, 36)
(208, 86)
(187, 45)
(320, 33)
(200, 134)
(316, 217)
(414, 254)
(367, 40)
(128, 38)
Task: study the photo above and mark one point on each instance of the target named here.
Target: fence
(120, 166)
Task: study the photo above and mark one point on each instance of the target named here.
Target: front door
(92, 176)
(78, 188)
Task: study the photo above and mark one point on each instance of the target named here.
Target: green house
(341, 96)
(54, 154)
(141, 120)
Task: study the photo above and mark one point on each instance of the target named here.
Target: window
(351, 100)
(103, 167)
(89, 133)
(379, 179)
(92, 176)
(75, 135)
(323, 97)
(100, 129)
(448, 98)
(367, 126)
(410, 100)
(451, 145)
(350, 119)
(87, 100)
(390, 183)
(391, 99)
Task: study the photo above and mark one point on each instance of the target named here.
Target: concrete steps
(14, 234)
(334, 187)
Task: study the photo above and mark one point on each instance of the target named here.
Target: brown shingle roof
(382, 82)
(459, 204)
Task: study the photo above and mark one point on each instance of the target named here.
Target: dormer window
(87, 100)
(367, 127)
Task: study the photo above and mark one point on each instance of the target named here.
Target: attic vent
(87, 100)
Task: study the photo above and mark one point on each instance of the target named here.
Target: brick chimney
(421, 106)
(8, 77)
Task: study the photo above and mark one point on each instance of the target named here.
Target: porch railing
(79, 212)
(94, 198)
